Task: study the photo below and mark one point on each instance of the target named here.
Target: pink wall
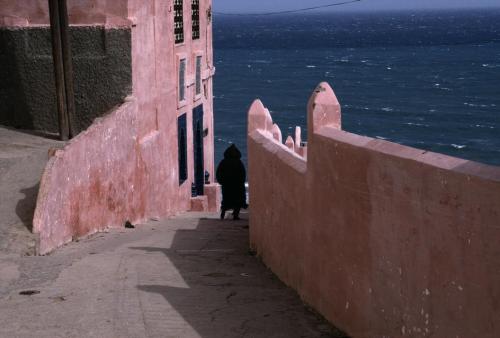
(125, 166)
(36, 12)
(382, 239)
(189, 49)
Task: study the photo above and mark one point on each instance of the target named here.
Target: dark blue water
(430, 80)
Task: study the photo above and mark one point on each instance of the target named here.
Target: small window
(182, 144)
(182, 80)
(178, 21)
(195, 16)
(198, 75)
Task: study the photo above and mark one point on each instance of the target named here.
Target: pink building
(143, 94)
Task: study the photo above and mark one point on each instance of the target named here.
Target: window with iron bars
(195, 15)
(198, 75)
(178, 21)
(182, 80)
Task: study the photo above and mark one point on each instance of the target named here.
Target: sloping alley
(191, 276)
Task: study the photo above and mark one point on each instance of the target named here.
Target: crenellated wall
(382, 239)
(125, 165)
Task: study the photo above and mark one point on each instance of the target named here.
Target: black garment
(231, 175)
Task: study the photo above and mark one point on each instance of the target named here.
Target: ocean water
(430, 80)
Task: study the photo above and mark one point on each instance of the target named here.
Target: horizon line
(362, 10)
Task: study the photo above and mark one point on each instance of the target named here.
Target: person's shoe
(222, 214)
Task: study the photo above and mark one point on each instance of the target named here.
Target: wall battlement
(382, 239)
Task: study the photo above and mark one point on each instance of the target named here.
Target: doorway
(199, 170)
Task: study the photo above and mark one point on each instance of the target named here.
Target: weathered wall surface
(125, 166)
(82, 12)
(382, 239)
(94, 183)
(102, 69)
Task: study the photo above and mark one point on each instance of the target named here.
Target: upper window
(198, 75)
(182, 80)
(178, 21)
(195, 15)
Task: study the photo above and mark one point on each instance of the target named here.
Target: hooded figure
(231, 175)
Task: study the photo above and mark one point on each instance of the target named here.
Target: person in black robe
(231, 175)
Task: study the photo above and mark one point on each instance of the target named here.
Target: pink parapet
(277, 133)
(323, 110)
(259, 117)
(290, 143)
(382, 239)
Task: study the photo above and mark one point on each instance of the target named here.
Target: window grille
(195, 16)
(182, 80)
(182, 148)
(198, 75)
(178, 21)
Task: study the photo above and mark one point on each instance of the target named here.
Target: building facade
(143, 96)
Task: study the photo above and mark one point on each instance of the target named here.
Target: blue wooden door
(199, 170)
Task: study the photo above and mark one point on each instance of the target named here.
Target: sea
(426, 79)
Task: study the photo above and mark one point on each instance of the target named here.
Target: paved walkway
(188, 277)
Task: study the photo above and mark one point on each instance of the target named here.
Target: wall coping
(437, 160)
(324, 120)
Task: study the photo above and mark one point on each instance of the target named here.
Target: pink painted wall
(382, 239)
(189, 49)
(85, 12)
(125, 166)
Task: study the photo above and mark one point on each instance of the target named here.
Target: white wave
(417, 124)
(387, 109)
(459, 146)
(482, 126)
(476, 105)
(311, 66)
(487, 65)
(381, 137)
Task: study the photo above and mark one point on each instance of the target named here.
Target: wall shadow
(230, 292)
(25, 208)
(13, 100)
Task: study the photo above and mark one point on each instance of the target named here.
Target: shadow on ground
(229, 290)
(25, 208)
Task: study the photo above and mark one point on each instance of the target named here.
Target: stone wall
(102, 75)
(382, 239)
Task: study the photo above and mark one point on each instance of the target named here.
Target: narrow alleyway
(188, 277)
